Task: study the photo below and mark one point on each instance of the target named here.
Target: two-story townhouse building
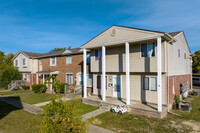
(27, 65)
(138, 65)
(66, 65)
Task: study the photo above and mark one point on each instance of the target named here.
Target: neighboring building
(27, 65)
(66, 65)
(139, 65)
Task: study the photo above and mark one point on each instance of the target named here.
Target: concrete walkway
(25, 106)
(93, 113)
(45, 103)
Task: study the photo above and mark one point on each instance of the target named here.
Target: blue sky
(41, 25)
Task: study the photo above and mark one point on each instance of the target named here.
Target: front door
(117, 86)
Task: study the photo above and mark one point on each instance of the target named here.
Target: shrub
(59, 87)
(176, 102)
(61, 119)
(26, 87)
(39, 88)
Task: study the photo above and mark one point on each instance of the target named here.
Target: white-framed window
(40, 62)
(148, 49)
(89, 80)
(69, 59)
(16, 63)
(80, 77)
(98, 54)
(69, 78)
(53, 61)
(179, 52)
(149, 83)
(88, 57)
(28, 78)
(24, 62)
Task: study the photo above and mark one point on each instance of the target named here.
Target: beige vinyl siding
(21, 68)
(116, 62)
(136, 91)
(179, 65)
(122, 33)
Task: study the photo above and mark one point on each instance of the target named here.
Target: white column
(51, 86)
(127, 75)
(103, 86)
(159, 78)
(43, 78)
(84, 73)
(36, 78)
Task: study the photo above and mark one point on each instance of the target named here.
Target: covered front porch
(134, 107)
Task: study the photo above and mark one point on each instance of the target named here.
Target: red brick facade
(178, 80)
(61, 65)
(32, 79)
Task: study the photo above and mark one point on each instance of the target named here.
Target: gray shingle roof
(32, 54)
(173, 34)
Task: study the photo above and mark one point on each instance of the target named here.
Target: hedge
(26, 87)
(39, 88)
(61, 88)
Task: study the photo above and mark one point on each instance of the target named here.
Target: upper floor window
(98, 54)
(24, 62)
(53, 61)
(88, 57)
(179, 52)
(148, 50)
(16, 63)
(40, 62)
(69, 59)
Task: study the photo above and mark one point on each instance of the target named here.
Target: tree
(60, 49)
(6, 59)
(196, 62)
(8, 74)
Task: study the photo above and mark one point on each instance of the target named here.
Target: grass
(81, 108)
(34, 98)
(14, 92)
(138, 123)
(1, 89)
(14, 120)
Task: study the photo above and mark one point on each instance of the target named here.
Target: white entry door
(117, 86)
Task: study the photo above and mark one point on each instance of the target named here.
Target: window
(98, 54)
(24, 76)
(88, 57)
(16, 63)
(53, 61)
(40, 62)
(185, 56)
(69, 59)
(179, 52)
(148, 50)
(80, 77)
(150, 83)
(89, 80)
(69, 79)
(24, 62)
(28, 78)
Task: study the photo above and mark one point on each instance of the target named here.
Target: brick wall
(63, 67)
(178, 80)
(32, 79)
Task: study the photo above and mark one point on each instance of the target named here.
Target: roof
(173, 34)
(61, 53)
(28, 54)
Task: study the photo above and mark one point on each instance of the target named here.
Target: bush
(59, 87)
(176, 102)
(62, 119)
(39, 88)
(26, 87)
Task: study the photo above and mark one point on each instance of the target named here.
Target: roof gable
(119, 33)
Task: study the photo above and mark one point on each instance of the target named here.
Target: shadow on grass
(7, 105)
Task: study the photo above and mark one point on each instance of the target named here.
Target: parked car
(118, 109)
(196, 81)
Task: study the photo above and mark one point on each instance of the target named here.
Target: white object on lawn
(119, 109)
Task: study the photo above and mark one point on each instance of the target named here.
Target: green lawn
(14, 120)
(34, 98)
(81, 108)
(14, 92)
(138, 123)
(1, 89)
